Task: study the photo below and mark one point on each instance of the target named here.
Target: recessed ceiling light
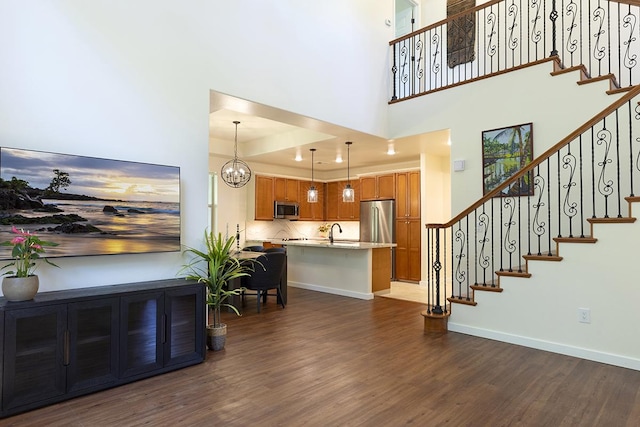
(298, 157)
(339, 158)
(390, 150)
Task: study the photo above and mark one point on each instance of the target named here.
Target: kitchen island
(348, 268)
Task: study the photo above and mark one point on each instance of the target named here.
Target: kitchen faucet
(331, 231)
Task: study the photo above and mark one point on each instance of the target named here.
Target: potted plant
(323, 230)
(22, 284)
(216, 267)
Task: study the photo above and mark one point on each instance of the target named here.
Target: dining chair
(275, 249)
(256, 248)
(267, 275)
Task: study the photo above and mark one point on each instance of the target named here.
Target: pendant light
(348, 194)
(312, 194)
(236, 173)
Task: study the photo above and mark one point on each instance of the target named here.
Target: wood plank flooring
(328, 360)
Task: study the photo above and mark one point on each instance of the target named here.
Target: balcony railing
(499, 36)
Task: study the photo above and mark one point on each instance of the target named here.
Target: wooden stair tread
(586, 239)
(613, 82)
(619, 90)
(622, 220)
(513, 273)
(632, 199)
(486, 288)
(583, 71)
(461, 301)
(542, 257)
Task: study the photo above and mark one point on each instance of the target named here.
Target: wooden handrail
(544, 156)
(475, 9)
(450, 18)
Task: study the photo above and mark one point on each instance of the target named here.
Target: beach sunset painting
(89, 206)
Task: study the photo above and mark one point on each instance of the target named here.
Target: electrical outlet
(584, 315)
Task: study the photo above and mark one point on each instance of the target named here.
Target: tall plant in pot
(21, 283)
(216, 266)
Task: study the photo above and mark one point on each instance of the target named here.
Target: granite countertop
(337, 244)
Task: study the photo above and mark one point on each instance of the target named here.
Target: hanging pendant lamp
(348, 194)
(312, 194)
(236, 173)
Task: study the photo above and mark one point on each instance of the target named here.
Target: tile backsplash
(282, 228)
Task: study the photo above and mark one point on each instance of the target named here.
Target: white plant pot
(20, 288)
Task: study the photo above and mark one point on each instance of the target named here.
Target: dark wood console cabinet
(68, 343)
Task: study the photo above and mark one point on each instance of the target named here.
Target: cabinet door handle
(66, 350)
(163, 332)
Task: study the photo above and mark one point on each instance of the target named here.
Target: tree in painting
(505, 151)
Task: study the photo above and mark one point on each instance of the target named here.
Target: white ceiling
(270, 136)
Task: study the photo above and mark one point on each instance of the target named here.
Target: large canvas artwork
(504, 152)
(90, 206)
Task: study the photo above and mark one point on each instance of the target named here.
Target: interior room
(501, 137)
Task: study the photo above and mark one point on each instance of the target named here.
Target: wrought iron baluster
(538, 225)
(553, 17)
(559, 191)
(509, 244)
(571, 12)
(460, 273)
(581, 190)
(605, 185)
(394, 72)
(593, 173)
(569, 207)
(493, 255)
(618, 164)
(599, 51)
(629, 22)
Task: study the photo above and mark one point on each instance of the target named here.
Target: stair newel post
(437, 266)
(553, 17)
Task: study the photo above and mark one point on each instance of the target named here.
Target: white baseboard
(334, 291)
(582, 353)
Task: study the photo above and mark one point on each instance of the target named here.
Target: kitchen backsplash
(282, 228)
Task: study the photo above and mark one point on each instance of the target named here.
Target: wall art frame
(88, 205)
(505, 151)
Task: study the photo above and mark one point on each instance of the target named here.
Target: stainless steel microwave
(286, 210)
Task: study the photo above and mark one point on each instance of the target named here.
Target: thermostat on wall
(458, 165)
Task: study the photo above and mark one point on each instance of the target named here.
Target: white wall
(130, 80)
(542, 311)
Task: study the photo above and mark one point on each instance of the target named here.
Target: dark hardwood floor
(328, 360)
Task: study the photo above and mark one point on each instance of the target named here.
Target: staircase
(545, 244)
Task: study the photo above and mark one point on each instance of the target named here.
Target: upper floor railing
(501, 35)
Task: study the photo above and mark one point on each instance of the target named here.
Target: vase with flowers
(323, 230)
(21, 283)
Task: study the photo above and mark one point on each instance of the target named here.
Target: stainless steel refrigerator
(378, 225)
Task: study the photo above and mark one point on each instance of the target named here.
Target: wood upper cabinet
(264, 198)
(379, 187)
(285, 190)
(311, 211)
(336, 208)
(408, 195)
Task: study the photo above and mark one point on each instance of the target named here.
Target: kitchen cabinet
(69, 343)
(408, 195)
(311, 211)
(378, 187)
(408, 226)
(285, 189)
(336, 208)
(408, 249)
(264, 198)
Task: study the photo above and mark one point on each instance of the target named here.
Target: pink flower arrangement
(27, 248)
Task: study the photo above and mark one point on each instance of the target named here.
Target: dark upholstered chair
(275, 249)
(267, 275)
(253, 248)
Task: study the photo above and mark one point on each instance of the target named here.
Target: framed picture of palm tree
(505, 151)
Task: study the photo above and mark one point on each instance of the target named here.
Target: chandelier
(236, 173)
